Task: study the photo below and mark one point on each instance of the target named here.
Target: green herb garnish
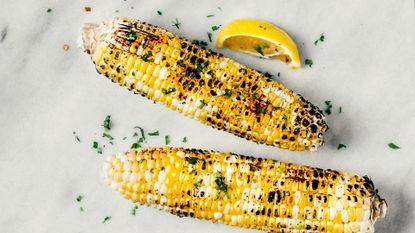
(261, 110)
(49, 10)
(200, 43)
(201, 104)
(134, 210)
(107, 135)
(308, 62)
(159, 12)
(221, 185)
(107, 122)
(184, 140)
(341, 146)
(340, 109)
(328, 107)
(155, 133)
(167, 139)
(209, 36)
(141, 131)
(192, 160)
(259, 48)
(319, 39)
(393, 146)
(96, 146)
(81, 209)
(76, 136)
(227, 93)
(168, 91)
(79, 198)
(107, 218)
(176, 23)
(209, 16)
(132, 36)
(146, 58)
(197, 184)
(137, 144)
(214, 28)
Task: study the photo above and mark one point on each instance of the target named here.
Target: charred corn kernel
(170, 70)
(244, 191)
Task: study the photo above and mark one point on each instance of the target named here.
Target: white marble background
(366, 65)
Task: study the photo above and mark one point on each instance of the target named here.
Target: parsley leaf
(96, 146)
(214, 28)
(79, 198)
(176, 23)
(308, 62)
(49, 10)
(168, 91)
(132, 36)
(107, 218)
(393, 146)
(209, 16)
(328, 107)
(107, 122)
(134, 210)
(227, 93)
(197, 184)
(184, 140)
(259, 48)
(340, 146)
(107, 135)
(319, 39)
(200, 43)
(155, 133)
(340, 109)
(159, 12)
(141, 131)
(167, 139)
(192, 160)
(209, 36)
(221, 185)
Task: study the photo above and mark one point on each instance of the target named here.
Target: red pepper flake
(87, 9)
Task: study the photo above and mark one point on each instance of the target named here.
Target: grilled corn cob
(202, 84)
(246, 192)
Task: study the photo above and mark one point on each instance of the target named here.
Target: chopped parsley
(76, 137)
(328, 107)
(155, 133)
(340, 146)
(202, 67)
(107, 122)
(208, 16)
(49, 10)
(176, 23)
(79, 198)
(107, 135)
(393, 146)
(221, 185)
(107, 218)
(134, 210)
(180, 62)
(146, 58)
(308, 62)
(167, 139)
(137, 144)
(168, 91)
(319, 39)
(200, 43)
(268, 75)
(192, 160)
(340, 109)
(284, 118)
(159, 12)
(261, 110)
(201, 104)
(96, 146)
(259, 48)
(219, 8)
(132, 36)
(81, 209)
(209, 36)
(214, 27)
(227, 93)
(124, 138)
(141, 131)
(184, 140)
(197, 184)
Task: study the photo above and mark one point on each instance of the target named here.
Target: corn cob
(202, 84)
(246, 192)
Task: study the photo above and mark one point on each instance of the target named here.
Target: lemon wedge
(259, 38)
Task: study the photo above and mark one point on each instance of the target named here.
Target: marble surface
(365, 65)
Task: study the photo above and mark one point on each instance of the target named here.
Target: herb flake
(308, 62)
(176, 23)
(260, 47)
(192, 160)
(209, 16)
(106, 219)
(107, 122)
(167, 139)
(184, 140)
(134, 210)
(209, 36)
(393, 146)
(132, 36)
(155, 133)
(159, 12)
(328, 107)
(340, 146)
(214, 27)
(168, 91)
(49, 10)
(319, 39)
(221, 185)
